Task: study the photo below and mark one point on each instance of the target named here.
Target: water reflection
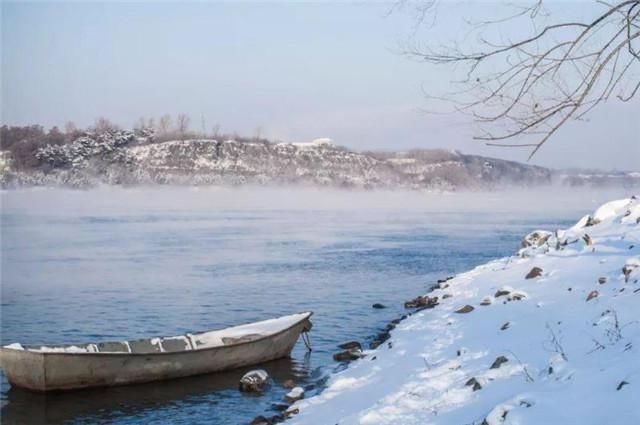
(105, 405)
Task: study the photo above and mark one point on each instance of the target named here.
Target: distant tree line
(22, 142)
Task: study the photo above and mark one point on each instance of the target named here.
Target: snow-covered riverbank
(512, 344)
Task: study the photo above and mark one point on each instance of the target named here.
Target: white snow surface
(570, 361)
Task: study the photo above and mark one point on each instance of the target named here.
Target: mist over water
(113, 263)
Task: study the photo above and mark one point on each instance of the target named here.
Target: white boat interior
(187, 342)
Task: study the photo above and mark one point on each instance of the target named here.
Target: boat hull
(47, 371)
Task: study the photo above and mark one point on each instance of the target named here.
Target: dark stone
(499, 361)
(516, 296)
(292, 412)
(602, 280)
(280, 407)
(348, 355)
(501, 292)
(439, 285)
(378, 306)
(466, 309)
(445, 296)
(474, 384)
(277, 419)
(445, 279)
(592, 295)
(261, 420)
(380, 339)
(351, 345)
(422, 301)
(533, 273)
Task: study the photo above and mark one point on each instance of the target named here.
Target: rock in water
(260, 420)
(291, 411)
(592, 295)
(378, 306)
(533, 273)
(466, 309)
(348, 355)
(380, 339)
(280, 407)
(351, 345)
(254, 381)
(294, 395)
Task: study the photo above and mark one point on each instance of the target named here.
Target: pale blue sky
(296, 70)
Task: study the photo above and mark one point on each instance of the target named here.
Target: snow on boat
(47, 368)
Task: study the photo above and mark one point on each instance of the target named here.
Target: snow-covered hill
(549, 336)
(122, 158)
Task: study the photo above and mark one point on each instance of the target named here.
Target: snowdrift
(548, 336)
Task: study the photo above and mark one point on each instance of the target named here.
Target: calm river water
(115, 264)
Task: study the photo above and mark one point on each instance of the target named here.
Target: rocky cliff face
(123, 158)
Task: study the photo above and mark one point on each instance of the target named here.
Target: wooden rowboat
(49, 368)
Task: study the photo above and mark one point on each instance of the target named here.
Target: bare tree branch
(533, 85)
